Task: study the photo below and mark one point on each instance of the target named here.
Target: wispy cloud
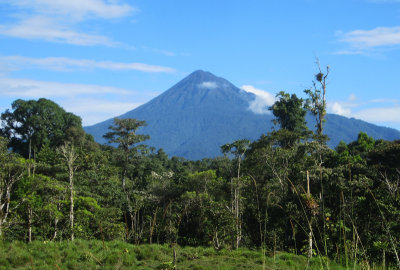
(369, 42)
(159, 51)
(49, 29)
(262, 101)
(208, 85)
(26, 88)
(96, 110)
(339, 108)
(377, 37)
(75, 8)
(380, 115)
(68, 64)
(94, 103)
(377, 111)
(58, 20)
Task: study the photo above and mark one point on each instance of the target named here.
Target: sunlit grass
(120, 255)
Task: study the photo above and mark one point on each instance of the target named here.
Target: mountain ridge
(197, 115)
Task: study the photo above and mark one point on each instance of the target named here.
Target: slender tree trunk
(237, 207)
(70, 156)
(4, 208)
(5, 190)
(55, 228)
(29, 157)
(71, 209)
(30, 215)
(152, 225)
(310, 236)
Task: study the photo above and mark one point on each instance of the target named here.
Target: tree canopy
(34, 123)
(285, 191)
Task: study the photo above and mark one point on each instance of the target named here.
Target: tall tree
(316, 101)
(70, 155)
(11, 171)
(290, 115)
(32, 124)
(124, 134)
(238, 149)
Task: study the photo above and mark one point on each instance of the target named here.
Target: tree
(316, 101)
(70, 155)
(238, 149)
(124, 134)
(32, 124)
(11, 171)
(290, 115)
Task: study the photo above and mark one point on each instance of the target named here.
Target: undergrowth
(95, 254)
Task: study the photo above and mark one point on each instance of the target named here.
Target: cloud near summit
(208, 85)
(262, 101)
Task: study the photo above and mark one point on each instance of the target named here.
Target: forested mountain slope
(200, 113)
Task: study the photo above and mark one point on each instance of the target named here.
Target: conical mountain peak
(201, 75)
(200, 113)
(200, 90)
(202, 80)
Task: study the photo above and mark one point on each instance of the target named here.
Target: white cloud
(380, 115)
(58, 20)
(76, 8)
(49, 29)
(377, 111)
(377, 37)
(262, 101)
(339, 108)
(352, 97)
(26, 88)
(208, 85)
(95, 110)
(68, 64)
(385, 100)
(94, 103)
(160, 51)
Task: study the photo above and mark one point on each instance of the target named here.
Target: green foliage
(284, 192)
(289, 112)
(124, 133)
(32, 124)
(119, 255)
(290, 115)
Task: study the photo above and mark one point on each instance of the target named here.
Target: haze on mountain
(200, 113)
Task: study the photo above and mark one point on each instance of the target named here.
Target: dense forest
(285, 191)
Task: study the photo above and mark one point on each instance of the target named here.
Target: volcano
(200, 113)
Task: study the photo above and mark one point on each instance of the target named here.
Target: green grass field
(120, 255)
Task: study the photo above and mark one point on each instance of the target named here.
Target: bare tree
(11, 171)
(237, 148)
(69, 154)
(316, 102)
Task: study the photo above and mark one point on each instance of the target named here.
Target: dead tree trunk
(12, 174)
(70, 156)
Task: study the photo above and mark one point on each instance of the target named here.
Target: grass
(120, 255)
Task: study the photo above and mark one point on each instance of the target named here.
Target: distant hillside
(200, 113)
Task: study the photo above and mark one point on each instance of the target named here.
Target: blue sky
(101, 58)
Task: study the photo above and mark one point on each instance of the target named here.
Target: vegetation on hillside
(93, 254)
(286, 191)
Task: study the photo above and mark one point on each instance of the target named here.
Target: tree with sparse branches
(238, 149)
(316, 101)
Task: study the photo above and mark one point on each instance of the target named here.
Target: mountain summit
(198, 92)
(200, 113)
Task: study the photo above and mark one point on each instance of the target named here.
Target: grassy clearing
(120, 255)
